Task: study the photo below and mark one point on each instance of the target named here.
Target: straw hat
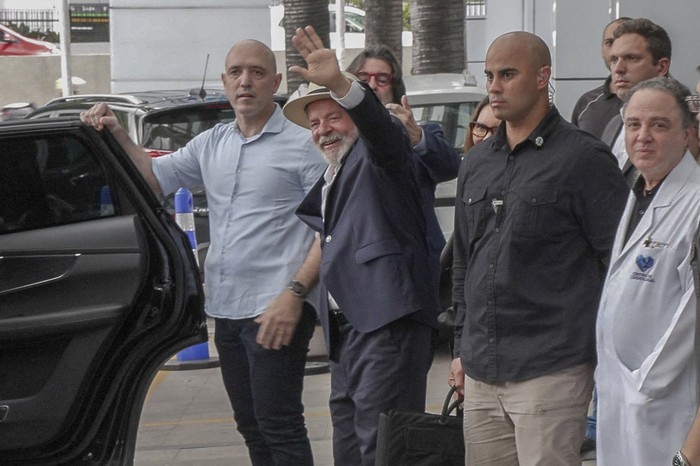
(295, 108)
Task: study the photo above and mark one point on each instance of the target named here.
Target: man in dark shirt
(595, 108)
(537, 207)
(641, 50)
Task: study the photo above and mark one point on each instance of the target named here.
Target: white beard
(333, 157)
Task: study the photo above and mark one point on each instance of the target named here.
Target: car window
(173, 129)
(454, 119)
(353, 22)
(50, 181)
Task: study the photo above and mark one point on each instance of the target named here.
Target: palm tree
(384, 24)
(300, 13)
(438, 36)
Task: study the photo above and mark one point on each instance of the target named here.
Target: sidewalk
(187, 418)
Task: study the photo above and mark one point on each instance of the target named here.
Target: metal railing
(28, 21)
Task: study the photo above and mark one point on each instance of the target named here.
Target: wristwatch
(679, 460)
(297, 288)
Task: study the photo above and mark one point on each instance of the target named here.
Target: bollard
(184, 217)
(197, 356)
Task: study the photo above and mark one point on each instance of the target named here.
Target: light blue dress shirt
(253, 187)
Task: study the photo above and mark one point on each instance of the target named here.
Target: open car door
(98, 288)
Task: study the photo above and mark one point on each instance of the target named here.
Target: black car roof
(148, 100)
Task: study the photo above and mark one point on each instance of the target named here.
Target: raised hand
(322, 64)
(405, 115)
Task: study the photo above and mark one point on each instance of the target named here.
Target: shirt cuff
(353, 97)
(422, 147)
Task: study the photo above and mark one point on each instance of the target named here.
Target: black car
(161, 121)
(98, 288)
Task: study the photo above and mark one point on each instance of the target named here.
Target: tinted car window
(454, 119)
(49, 181)
(173, 129)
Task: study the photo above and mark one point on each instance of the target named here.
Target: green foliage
(23, 29)
(406, 15)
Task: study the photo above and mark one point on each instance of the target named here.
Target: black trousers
(373, 373)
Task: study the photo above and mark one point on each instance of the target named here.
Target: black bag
(421, 439)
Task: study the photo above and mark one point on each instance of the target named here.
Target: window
(50, 181)
(475, 8)
(173, 129)
(453, 117)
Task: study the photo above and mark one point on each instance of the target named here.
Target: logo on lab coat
(644, 263)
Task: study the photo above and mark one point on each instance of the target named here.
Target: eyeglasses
(693, 103)
(382, 79)
(480, 130)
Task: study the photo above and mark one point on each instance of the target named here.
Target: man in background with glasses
(438, 160)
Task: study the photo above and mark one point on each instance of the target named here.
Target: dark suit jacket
(374, 258)
(610, 134)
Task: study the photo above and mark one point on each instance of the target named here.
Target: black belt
(338, 316)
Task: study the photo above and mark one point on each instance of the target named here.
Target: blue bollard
(194, 353)
(184, 217)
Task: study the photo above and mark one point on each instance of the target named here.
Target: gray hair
(670, 86)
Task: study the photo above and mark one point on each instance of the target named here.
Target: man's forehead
(246, 61)
(652, 104)
(496, 66)
(507, 55)
(248, 55)
(629, 41)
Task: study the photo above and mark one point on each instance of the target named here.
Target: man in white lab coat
(647, 373)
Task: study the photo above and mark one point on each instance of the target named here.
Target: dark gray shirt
(534, 229)
(595, 108)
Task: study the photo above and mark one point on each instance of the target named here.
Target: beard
(333, 155)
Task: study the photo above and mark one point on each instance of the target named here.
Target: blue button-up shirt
(253, 186)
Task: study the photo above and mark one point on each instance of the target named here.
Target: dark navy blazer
(374, 258)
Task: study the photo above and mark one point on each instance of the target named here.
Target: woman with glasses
(482, 125)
